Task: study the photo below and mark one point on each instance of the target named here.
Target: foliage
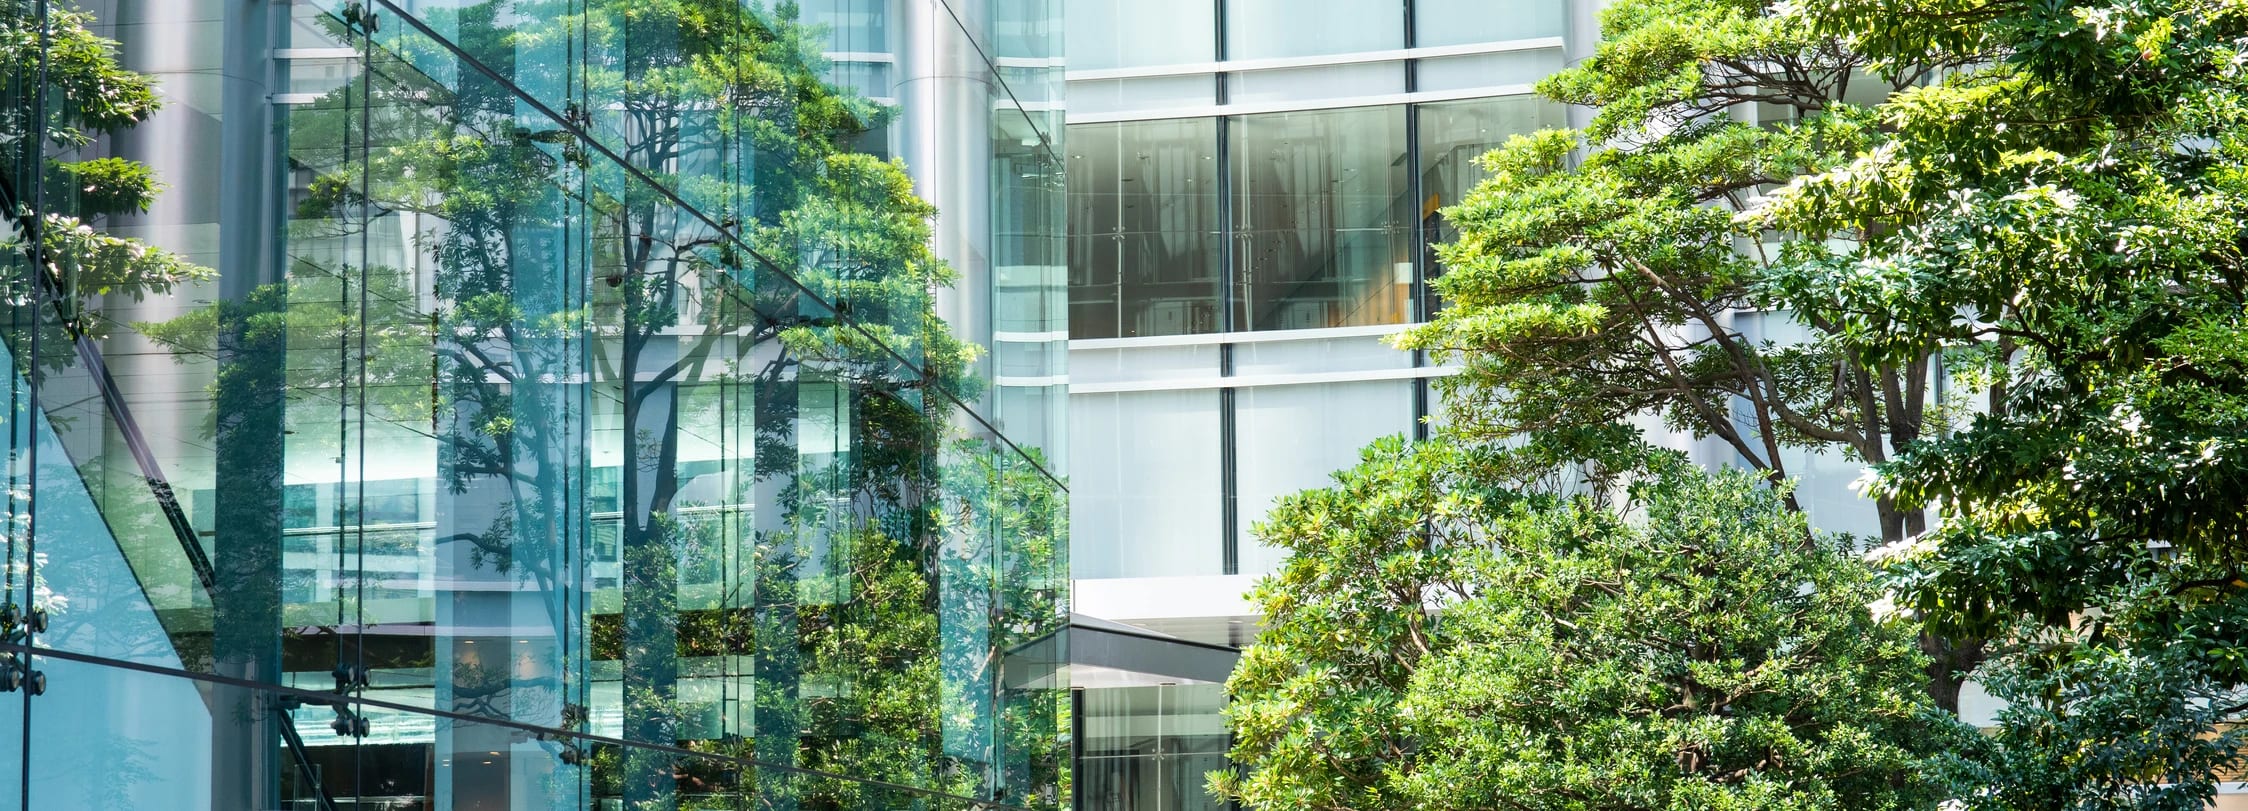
(2089, 727)
(64, 90)
(2062, 223)
(1590, 288)
(1437, 642)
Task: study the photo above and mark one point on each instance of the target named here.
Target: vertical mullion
(1229, 469)
(1412, 40)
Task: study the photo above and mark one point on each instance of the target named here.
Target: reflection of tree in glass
(61, 91)
(64, 90)
(700, 278)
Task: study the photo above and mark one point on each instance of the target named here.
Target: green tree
(1437, 641)
(2062, 221)
(1600, 276)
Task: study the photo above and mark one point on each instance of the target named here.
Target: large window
(1291, 438)
(1143, 228)
(1453, 135)
(1322, 215)
(1315, 228)
(1265, 29)
(851, 26)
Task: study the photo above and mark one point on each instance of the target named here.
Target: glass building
(1254, 187)
(530, 404)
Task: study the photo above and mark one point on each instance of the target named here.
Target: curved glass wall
(520, 404)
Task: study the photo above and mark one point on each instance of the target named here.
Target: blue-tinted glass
(547, 369)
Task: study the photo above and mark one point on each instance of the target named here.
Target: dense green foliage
(1785, 224)
(1438, 643)
(1587, 290)
(2064, 222)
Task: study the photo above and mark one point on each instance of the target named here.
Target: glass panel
(1823, 478)
(1458, 22)
(110, 738)
(1144, 363)
(1151, 747)
(134, 740)
(1098, 96)
(1322, 214)
(529, 433)
(1143, 220)
(1320, 83)
(1367, 353)
(1140, 33)
(1145, 472)
(850, 26)
(1292, 438)
(1027, 29)
(1264, 29)
(1509, 69)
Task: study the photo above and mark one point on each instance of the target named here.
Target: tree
(2062, 220)
(1440, 642)
(1599, 275)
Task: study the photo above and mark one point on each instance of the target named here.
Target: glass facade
(1323, 216)
(1265, 29)
(534, 404)
(1151, 747)
(1146, 234)
(1252, 212)
(1304, 219)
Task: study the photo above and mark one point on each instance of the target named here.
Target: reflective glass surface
(530, 404)
(1452, 136)
(1148, 471)
(1322, 217)
(1144, 228)
(1152, 747)
(1292, 438)
(1456, 22)
(1141, 33)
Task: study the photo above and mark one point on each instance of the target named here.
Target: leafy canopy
(1439, 643)
(2062, 223)
(1600, 276)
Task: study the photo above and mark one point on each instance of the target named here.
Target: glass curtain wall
(1452, 136)
(505, 404)
(1144, 203)
(1322, 212)
(1152, 748)
(1316, 208)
